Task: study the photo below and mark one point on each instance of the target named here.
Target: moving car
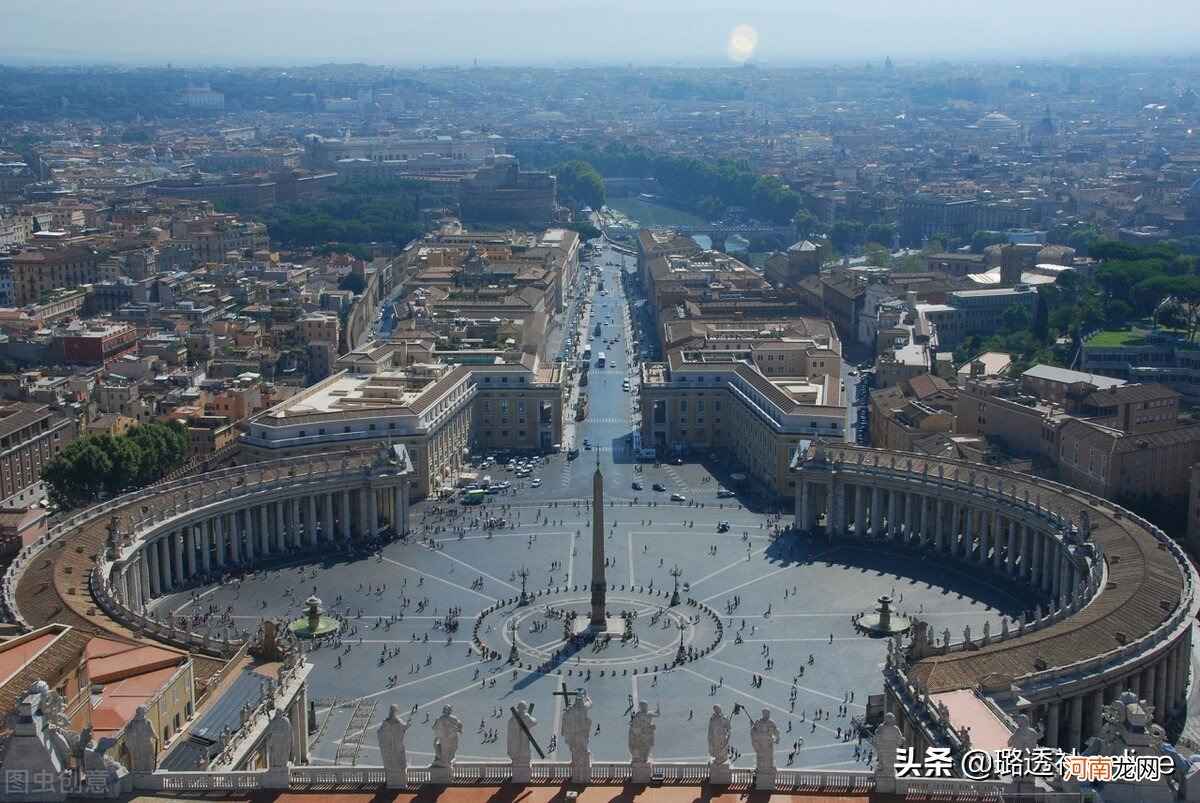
(722, 526)
(678, 498)
(572, 453)
(637, 485)
(537, 481)
(658, 486)
(724, 493)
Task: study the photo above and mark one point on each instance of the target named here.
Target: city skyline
(537, 32)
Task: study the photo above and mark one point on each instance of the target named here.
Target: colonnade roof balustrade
(1149, 593)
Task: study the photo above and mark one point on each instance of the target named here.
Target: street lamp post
(524, 575)
(675, 573)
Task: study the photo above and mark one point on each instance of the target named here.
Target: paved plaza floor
(774, 613)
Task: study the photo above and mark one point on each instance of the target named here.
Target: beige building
(30, 434)
(438, 409)
(898, 422)
(1128, 466)
(38, 271)
(750, 397)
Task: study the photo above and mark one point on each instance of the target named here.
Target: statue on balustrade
(887, 738)
(391, 742)
(764, 735)
(641, 734)
(519, 746)
(719, 733)
(278, 741)
(141, 742)
(1025, 738)
(577, 727)
(446, 729)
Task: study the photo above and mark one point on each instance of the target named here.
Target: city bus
(600, 360)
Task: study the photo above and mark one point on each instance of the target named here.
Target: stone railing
(492, 773)
(206, 643)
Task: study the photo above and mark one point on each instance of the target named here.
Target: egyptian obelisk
(599, 620)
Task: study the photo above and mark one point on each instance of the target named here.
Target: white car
(536, 482)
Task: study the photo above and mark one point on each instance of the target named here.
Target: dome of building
(997, 122)
(1044, 127)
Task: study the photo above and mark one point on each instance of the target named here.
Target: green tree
(877, 255)
(1041, 319)
(880, 233)
(846, 235)
(1017, 318)
(581, 182)
(982, 239)
(352, 282)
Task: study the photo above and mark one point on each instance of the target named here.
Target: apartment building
(30, 434)
(38, 271)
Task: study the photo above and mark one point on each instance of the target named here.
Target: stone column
(1055, 571)
(264, 531)
(372, 511)
(345, 514)
(218, 525)
(235, 537)
(1160, 688)
(205, 549)
(164, 564)
(926, 536)
(145, 592)
(876, 510)
(956, 528)
(327, 518)
(860, 510)
(939, 524)
(1011, 559)
(1035, 564)
(400, 508)
(296, 538)
(893, 529)
(1051, 738)
(280, 527)
(910, 516)
(151, 553)
(1025, 570)
(190, 549)
(177, 556)
(1000, 540)
(310, 525)
(248, 529)
(1075, 723)
(1097, 715)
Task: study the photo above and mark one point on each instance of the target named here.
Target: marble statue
(279, 741)
(1024, 738)
(719, 732)
(141, 742)
(518, 740)
(446, 729)
(577, 727)
(764, 735)
(391, 742)
(641, 734)
(887, 738)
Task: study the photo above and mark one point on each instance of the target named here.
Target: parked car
(722, 526)
(637, 485)
(658, 486)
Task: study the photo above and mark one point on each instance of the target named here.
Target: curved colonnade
(1122, 594)
(193, 531)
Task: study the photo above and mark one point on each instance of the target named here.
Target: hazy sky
(420, 32)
